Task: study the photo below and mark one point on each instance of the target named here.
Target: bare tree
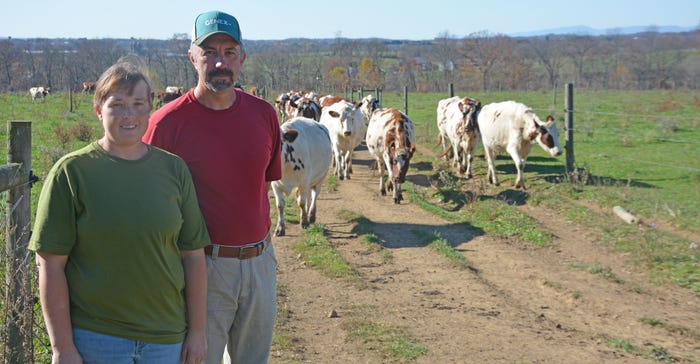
(547, 51)
(484, 51)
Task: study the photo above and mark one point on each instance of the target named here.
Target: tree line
(481, 61)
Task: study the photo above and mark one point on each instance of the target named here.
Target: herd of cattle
(321, 133)
(160, 98)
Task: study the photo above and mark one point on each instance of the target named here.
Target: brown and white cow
(391, 140)
(306, 159)
(347, 129)
(457, 123)
(39, 92)
(514, 127)
(165, 97)
(88, 87)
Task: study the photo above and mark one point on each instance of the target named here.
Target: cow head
(470, 111)
(400, 150)
(346, 113)
(547, 136)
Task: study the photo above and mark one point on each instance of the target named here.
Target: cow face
(548, 136)
(400, 150)
(470, 110)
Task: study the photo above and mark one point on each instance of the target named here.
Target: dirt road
(521, 303)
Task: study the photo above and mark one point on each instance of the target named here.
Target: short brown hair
(122, 75)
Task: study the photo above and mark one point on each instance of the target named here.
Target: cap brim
(203, 38)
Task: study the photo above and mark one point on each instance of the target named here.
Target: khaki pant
(241, 308)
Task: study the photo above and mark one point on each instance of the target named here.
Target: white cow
(306, 159)
(513, 127)
(175, 90)
(391, 140)
(457, 123)
(347, 129)
(39, 92)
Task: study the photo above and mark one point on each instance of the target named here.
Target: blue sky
(267, 19)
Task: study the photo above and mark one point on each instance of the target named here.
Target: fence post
(18, 298)
(569, 120)
(405, 100)
(452, 89)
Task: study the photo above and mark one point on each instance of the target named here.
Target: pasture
(636, 149)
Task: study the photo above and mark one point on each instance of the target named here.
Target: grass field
(640, 150)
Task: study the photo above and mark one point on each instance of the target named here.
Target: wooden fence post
(569, 120)
(452, 89)
(405, 100)
(18, 300)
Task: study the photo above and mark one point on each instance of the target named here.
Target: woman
(118, 239)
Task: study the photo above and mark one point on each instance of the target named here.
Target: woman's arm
(55, 304)
(194, 348)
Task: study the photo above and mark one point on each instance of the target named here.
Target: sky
(389, 19)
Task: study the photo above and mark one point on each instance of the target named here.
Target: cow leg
(470, 158)
(346, 164)
(382, 186)
(455, 156)
(519, 166)
(280, 203)
(312, 204)
(338, 164)
(397, 193)
(490, 159)
(302, 202)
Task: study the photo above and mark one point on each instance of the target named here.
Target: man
(231, 143)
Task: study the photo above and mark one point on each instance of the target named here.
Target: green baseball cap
(215, 22)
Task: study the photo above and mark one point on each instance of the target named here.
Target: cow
(514, 127)
(368, 104)
(347, 129)
(306, 159)
(329, 100)
(391, 140)
(165, 97)
(175, 90)
(457, 123)
(39, 92)
(88, 87)
(307, 107)
(286, 104)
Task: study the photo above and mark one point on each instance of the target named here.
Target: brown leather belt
(240, 252)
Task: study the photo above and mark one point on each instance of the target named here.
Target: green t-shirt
(122, 224)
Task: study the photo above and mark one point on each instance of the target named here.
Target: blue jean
(104, 349)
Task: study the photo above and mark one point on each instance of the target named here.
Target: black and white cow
(306, 160)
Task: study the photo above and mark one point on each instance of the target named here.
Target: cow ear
(290, 135)
(460, 106)
(550, 121)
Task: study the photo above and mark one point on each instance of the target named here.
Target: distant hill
(586, 30)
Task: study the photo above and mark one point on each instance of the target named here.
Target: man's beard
(219, 84)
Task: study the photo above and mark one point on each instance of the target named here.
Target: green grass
(394, 342)
(315, 249)
(653, 352)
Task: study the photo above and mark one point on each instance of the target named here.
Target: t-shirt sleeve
(274, 169)
(55, 224)
(193, 233)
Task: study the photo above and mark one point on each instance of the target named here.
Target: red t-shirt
(231, 155)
